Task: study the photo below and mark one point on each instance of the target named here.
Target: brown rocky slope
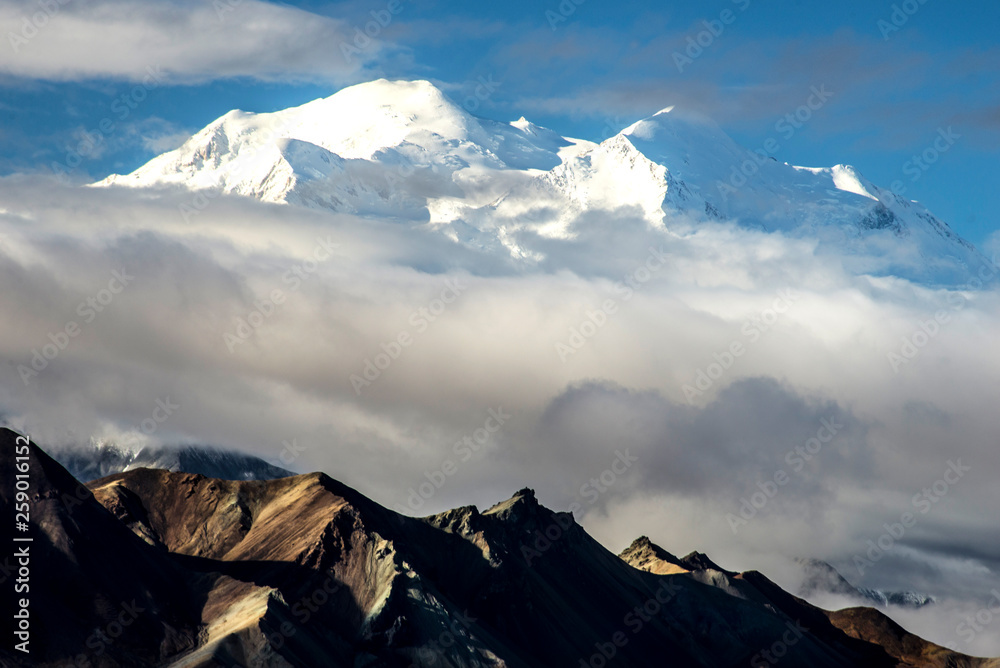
(305, 571)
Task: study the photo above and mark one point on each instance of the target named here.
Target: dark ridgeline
(184, 570)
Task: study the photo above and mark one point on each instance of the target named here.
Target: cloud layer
(177, 41)
(658, 381)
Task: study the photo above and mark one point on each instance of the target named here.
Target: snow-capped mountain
(822, 578)
(97, 460)
(382, 148)
(404, 150)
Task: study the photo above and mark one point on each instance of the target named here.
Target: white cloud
(163, 138)
(164, 41)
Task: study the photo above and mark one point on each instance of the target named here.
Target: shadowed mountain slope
(305, 571)
(90, 577)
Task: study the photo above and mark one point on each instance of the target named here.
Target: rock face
(304, 571)
(648, 556)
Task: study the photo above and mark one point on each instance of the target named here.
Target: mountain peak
(392, 92)
(646, 555)
(404, 150)
(672, 133)
(822, 578)
(523, 502)
(699, 561)
(102, 459)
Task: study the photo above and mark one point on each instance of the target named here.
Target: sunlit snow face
(404, 150)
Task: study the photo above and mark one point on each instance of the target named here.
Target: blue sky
(118, 82)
